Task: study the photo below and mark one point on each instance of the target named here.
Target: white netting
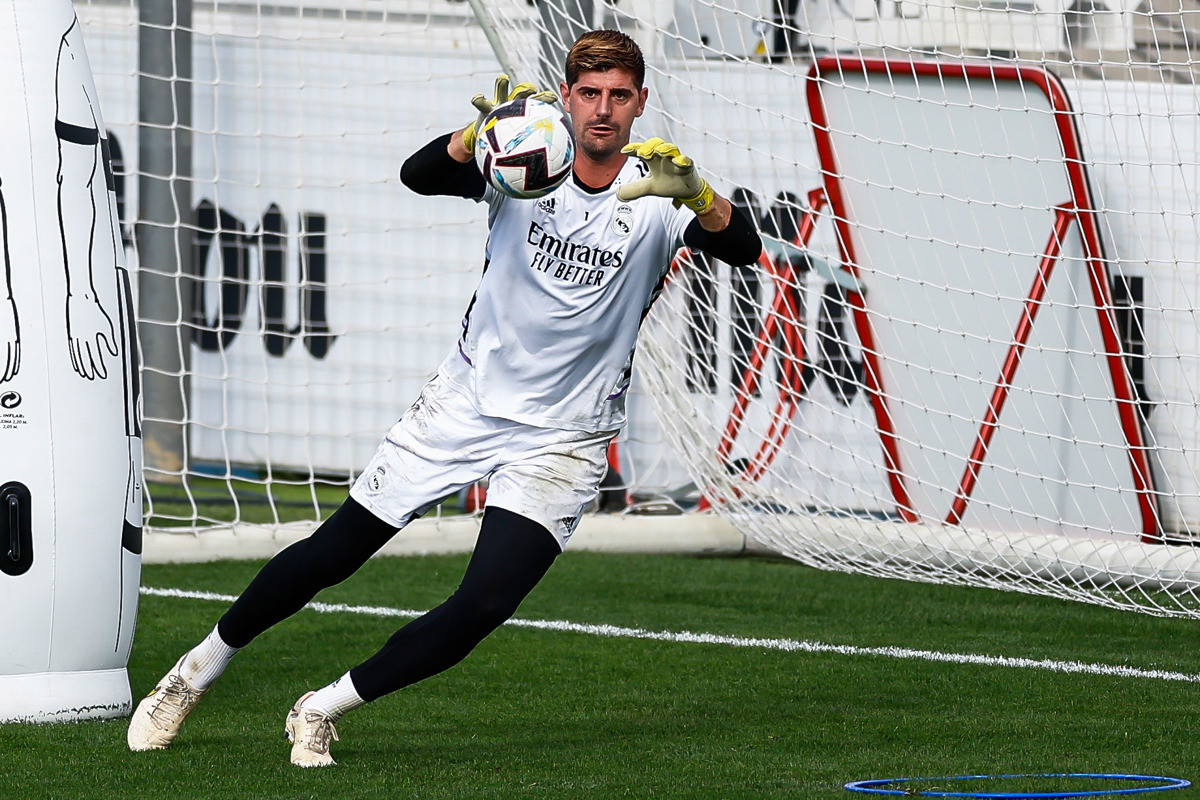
(965, 357)
(840, 399)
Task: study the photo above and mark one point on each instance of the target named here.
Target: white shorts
(442, 444)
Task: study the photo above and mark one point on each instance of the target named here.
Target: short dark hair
(600, 51)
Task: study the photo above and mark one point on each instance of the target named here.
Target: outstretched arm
(737, 243)
(718, 229)
(431, 171)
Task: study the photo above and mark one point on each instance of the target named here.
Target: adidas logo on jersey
(547, 204)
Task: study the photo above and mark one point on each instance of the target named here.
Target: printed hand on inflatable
(85, 217)
(89, 331)
(10, 340)
(10, 328)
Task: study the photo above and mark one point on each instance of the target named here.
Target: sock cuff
(336, 699)
(205, 662)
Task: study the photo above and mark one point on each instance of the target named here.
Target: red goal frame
(1077, 209)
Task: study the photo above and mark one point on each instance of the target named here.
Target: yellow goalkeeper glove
(502, 95)
(672, 174)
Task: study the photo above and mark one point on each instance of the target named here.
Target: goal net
(969, 353)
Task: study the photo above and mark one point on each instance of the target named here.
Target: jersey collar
(630, 164)
(592, 189)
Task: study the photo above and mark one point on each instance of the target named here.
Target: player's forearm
(716, 217)
(432, 170)
(736, 243)
(457, 149)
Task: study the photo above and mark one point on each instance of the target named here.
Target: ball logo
(10, 400)
(622, 224)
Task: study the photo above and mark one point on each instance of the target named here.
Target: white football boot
(310, 733)
(157, 719)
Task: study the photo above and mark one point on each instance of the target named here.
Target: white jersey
(548, 338)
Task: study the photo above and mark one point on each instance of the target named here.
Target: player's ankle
(206, 661)
(336, 699)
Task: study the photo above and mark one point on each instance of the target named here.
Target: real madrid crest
(622, 223)
(375, 481)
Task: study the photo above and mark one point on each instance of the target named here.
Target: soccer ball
(525, 148)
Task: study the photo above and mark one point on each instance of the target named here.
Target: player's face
(603, 106)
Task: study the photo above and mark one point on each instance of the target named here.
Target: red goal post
(1077, 208)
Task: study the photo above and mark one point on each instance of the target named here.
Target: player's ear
(643, 95)
(564, 92)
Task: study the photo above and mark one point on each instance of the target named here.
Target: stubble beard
(601, 149)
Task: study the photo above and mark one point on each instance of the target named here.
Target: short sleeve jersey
(548, 338)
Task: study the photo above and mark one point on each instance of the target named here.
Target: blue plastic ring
(879, 786)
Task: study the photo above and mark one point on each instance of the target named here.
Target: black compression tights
(512, 555)
(334, 552)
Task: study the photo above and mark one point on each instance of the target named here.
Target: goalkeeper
(530, 396)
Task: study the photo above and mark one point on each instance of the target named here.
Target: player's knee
(484, 611)
(331, 573)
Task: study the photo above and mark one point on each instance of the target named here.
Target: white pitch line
(785, 645)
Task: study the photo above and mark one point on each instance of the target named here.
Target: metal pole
(489, 30)
(164, 230)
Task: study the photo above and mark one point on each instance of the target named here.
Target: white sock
(206, 661)
(335, 699)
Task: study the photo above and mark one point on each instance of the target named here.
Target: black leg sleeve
(287, 582)
(512, 555)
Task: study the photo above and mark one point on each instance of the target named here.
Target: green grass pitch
(553, 714)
